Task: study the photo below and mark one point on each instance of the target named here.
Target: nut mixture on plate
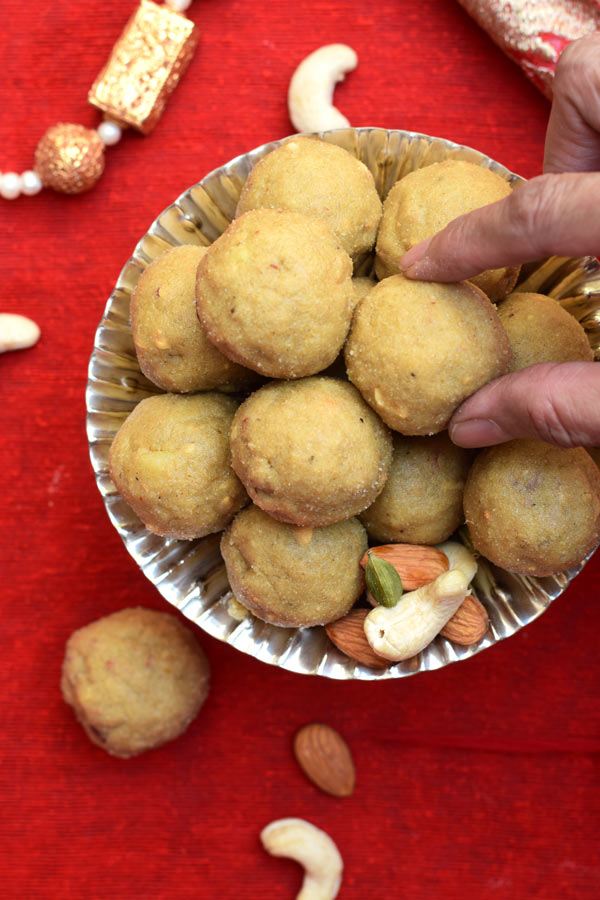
(275, 297)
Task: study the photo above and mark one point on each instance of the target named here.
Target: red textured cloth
(476, 781)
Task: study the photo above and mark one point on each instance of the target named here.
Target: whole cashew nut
(310, 95)
(17, 332)
(313, 849)
(402, 631)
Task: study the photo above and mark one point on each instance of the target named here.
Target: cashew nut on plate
(402, 631)
(459, 558)
(310, 95)
(17, 332)
(313, 849)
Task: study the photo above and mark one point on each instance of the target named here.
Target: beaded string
(70, 158)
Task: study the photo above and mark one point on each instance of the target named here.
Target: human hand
(555, 213)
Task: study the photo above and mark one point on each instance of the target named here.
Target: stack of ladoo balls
(335, 451)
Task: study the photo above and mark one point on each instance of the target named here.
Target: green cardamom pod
(383, 581)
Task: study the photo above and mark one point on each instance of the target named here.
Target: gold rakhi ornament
(132, 90)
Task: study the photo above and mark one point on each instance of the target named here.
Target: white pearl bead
(10, 185)
(30, 183)
(109, 133)
(179, 5)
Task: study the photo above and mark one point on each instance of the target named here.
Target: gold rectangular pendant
(146, 63)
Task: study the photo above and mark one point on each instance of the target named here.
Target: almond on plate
(348, 635)
(468, 624)
(417, 564)
(324, 757)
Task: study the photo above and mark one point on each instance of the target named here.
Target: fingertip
(477, 433)
(414, 263)
(419, 271)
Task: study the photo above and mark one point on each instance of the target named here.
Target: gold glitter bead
(69, 158)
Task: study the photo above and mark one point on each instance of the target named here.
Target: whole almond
(324, 757)
(417, 564)
(348, 635)
(468, 624)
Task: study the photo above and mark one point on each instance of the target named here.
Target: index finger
(549, 215)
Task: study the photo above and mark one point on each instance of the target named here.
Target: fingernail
(421, 270)
(415, 262)
(478, 433)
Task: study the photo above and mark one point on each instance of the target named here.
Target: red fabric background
(480, 780)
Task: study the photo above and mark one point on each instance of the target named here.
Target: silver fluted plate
(190, 574)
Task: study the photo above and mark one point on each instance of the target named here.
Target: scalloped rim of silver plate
(190, 574)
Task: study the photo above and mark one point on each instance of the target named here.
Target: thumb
(549, 215)
(556, 403)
